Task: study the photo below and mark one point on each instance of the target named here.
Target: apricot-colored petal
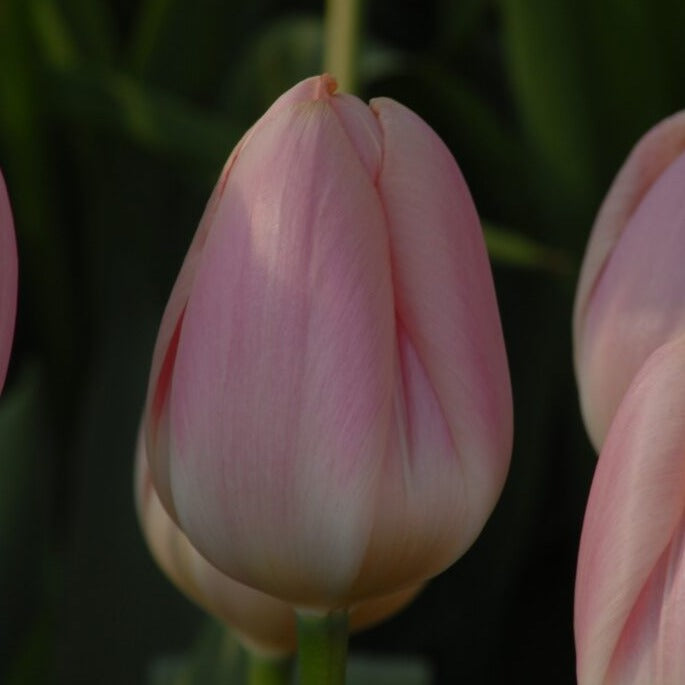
(630, 584)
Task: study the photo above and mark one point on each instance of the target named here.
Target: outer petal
(630, 585)
(8, 280)
(280, 396)
(262, 622)
(611, 340)
(450, 440)
(164, 355)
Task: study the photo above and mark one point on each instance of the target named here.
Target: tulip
(329, 413)
(264, 624)
(630, 585)
(8, 280)
(631, 292)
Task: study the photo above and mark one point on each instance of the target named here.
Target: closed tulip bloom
(630, 585)
(8, 280)
(329, 412)
(631, 292)
(264, 624)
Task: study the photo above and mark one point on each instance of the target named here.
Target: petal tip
(326, 86)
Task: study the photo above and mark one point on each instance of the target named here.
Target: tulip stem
(322, 647)
(263, 670)
(341, 42)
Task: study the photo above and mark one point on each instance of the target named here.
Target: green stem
(341, 42)
(264, 670)
(322, 647)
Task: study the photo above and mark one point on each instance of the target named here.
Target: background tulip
(630, 585)
(8, 280)
(631, 292)
(263, 623)
(329, 409)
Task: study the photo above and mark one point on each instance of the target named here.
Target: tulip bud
(329, 412)
(631, 292)
(630, 585)
(264, 624)
(8, 280)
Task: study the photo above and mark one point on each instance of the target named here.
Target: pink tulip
(329, 408)
(8, 280)
(263, 623)
(630, 585)
(631, 293)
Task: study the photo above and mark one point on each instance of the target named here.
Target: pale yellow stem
(341, 46)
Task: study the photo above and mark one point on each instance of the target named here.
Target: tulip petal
(638, 301)
(8, 280)
(640, 174)
(451, 376)
(330, 390)
(630, 584)
(164, 355)
(263, 623)
(295, 371)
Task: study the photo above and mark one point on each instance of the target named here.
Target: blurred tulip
(631, 292)
(263, 623)
(8, 280)
(329, 408)
(630, 585)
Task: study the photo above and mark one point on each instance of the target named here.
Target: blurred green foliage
(115, 118)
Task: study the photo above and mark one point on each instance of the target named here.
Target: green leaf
(74, 28)
(52, 33)
(545, 50)
(514, 249)
(156, 120)
(26, 146)
(623, 48)
(185, 46)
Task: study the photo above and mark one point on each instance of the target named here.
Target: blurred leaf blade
(214, 32)
(515, 249)
(53, 34)
(149, 25)
(24, 139)
(68, 31)
(158, 121)
(545, 49)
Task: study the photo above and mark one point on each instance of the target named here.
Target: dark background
(115, 119)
